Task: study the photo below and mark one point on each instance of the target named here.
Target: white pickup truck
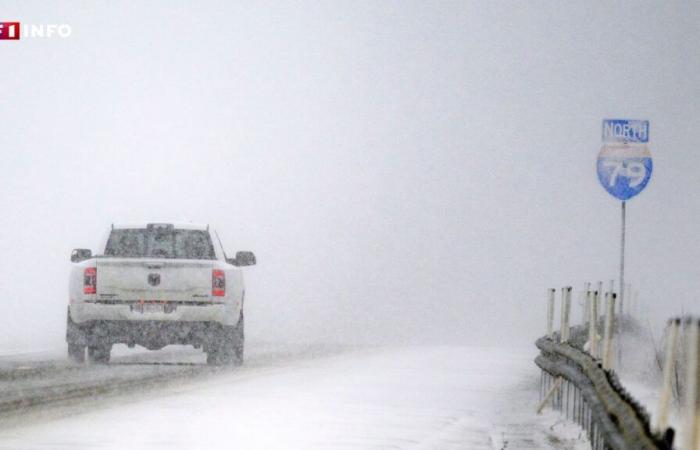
(157, 284)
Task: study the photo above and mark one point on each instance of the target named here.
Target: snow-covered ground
(408, 398)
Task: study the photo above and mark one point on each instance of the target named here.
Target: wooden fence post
(592, 326)
(550, 313)
(691, 432)
(608, 339)
(666, 388)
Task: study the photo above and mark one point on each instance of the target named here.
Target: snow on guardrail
(579, 380)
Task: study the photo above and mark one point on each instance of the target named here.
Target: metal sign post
(622, 260)
(624, 169)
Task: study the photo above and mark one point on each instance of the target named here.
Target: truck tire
(76, 341)
(214, 357)
(76, 352)
(99, 354)
(239, 342)
(229, 346)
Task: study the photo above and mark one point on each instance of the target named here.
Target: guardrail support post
(562, 313)
(592, 326)
(609, 320)
(565, 308)
(568, 312)
(691, 434)
(550, 313)
(666, 388)
(586, 300)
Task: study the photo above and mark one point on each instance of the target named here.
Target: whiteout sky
(404, 171)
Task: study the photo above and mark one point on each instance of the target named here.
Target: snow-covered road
(406, 398)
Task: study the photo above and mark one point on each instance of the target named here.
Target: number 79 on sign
(624, 170)
(633, 170)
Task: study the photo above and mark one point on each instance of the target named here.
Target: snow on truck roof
(176, 225)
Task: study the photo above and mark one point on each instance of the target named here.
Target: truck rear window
(160, 243)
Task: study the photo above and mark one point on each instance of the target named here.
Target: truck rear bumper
(151, 334)
(224, 314)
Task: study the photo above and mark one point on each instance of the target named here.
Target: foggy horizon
(404, 171)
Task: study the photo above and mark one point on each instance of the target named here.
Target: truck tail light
(218, 283)
(90, 280)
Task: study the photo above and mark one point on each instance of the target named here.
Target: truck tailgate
(154, 279)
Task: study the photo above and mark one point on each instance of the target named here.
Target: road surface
(288, 397)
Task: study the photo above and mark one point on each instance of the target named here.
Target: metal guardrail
(593, 397)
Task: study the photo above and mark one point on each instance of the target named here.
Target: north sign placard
(624, 169)
(625, 131)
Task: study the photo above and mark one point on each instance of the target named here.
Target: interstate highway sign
(624, 163)
(624, 169)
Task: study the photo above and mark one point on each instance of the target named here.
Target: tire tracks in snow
(34, 386)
